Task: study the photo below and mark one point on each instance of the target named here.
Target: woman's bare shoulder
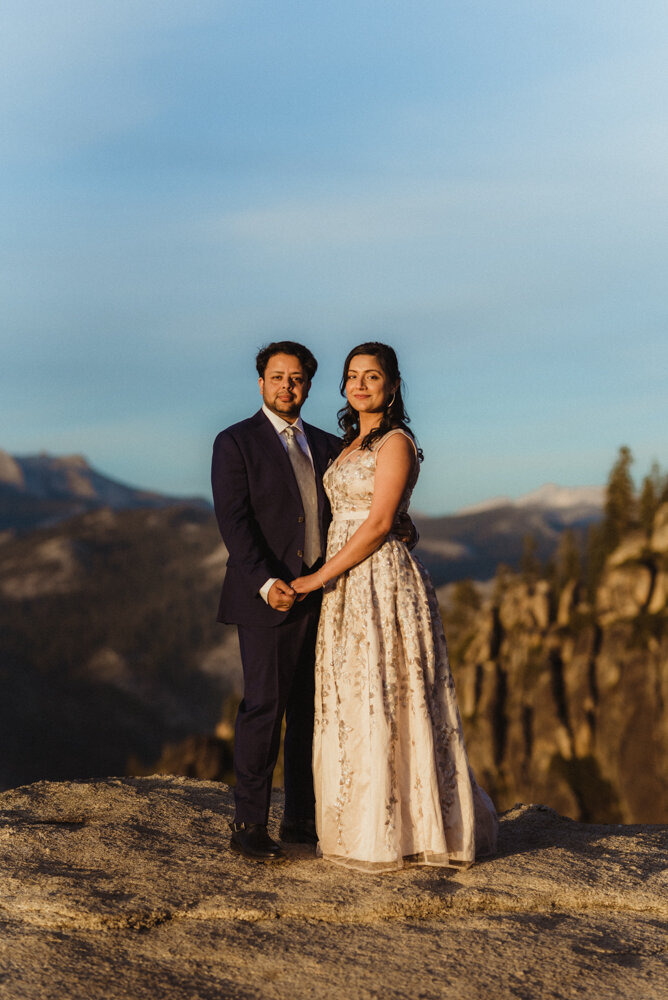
(402, 441)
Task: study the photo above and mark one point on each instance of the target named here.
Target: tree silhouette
(568, 559)
(619, 512)
(530, 564)
(654, 491)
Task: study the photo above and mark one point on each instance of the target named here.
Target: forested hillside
(110, 648)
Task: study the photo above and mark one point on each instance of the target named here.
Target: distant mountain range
(473, 541)
(574, 502)
(38, 490)
(110, 651)
(43, 490)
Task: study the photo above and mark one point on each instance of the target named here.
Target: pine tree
(595, 558)
(466, 600)
(663, 496)
(619, 511)
(654, 491)
(647, 505)
(530, 563)
(568, 559)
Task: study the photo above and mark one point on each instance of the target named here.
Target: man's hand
(405, 530)
(281, 596)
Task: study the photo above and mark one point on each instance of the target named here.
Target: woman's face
(367, 386)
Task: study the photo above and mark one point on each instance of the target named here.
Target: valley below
(112, 663)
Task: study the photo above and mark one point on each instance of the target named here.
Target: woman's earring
(389, 405)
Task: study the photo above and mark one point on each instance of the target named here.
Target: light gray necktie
(305, 477)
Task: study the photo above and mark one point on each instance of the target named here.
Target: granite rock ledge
(127, 888)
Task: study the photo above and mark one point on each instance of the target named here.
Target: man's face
(285, 386)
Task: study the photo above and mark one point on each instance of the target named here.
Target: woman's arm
(394, 463)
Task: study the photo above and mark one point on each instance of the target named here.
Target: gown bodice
(349, 481)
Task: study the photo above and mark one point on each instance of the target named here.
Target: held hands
(281, 596)
(304, 585)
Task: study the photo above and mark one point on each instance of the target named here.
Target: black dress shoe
(298, 831)
(253, 841)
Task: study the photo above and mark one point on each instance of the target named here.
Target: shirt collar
(279, 424)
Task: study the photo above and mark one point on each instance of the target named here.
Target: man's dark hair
(308, 362)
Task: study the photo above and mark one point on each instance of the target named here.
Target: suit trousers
(278, 667)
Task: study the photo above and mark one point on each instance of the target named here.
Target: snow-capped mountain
(547, 497)
(562, 497)
(474, 540)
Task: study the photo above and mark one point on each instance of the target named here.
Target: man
(273, 516)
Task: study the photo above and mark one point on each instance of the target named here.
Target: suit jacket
(260, 513)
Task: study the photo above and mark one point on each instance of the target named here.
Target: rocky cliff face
(567, 703)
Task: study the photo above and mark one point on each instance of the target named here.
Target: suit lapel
(275, 452)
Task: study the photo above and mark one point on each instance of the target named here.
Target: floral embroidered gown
(392, 779)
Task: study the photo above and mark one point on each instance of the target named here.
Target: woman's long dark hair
(394, 414)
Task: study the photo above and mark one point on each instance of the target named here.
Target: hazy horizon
(555, 494)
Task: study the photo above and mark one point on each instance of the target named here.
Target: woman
(392, 780)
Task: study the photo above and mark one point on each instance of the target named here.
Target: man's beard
(282, 409)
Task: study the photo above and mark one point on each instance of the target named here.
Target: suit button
(300, 519)
(300, 553)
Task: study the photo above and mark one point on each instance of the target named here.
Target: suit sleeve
(238, 527)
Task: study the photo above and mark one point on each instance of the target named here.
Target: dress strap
(395, 430)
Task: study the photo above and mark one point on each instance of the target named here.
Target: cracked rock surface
(127, 888)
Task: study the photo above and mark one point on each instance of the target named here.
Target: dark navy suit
(261, 519)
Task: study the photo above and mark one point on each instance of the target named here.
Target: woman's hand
(304, 585)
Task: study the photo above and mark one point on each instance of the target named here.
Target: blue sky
(483, 185)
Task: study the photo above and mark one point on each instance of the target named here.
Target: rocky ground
(127, 888)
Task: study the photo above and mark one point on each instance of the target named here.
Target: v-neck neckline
(341, 460)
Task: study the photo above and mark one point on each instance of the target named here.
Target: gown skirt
(391, 774)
